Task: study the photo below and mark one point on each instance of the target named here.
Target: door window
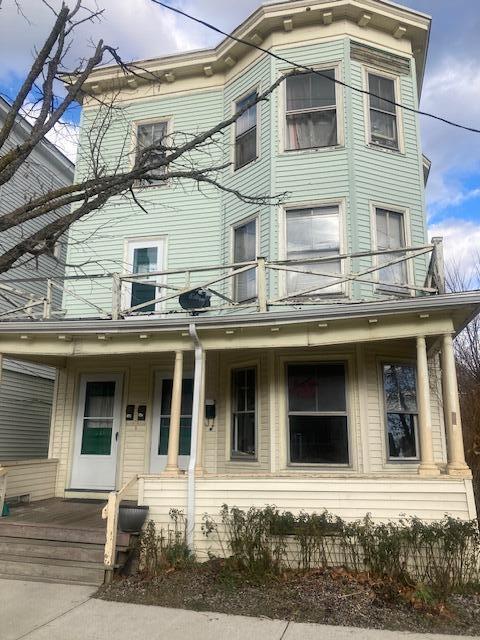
(98, 418)
(185, 416)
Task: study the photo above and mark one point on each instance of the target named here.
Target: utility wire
(311, 69)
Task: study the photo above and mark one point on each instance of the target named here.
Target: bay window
(246, 131)
(245, 250)
(311, 110)
(317, 414)
(400, 390)
(383, 114)
(314, 233)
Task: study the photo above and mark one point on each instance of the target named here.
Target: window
(185, 417)
(245, 250)
(244, 398)
(383, 114)
(246, 132)
(145, 257)
(391, 235)
(317, 414)
(400, 388)
(311, 110)
(313, 233)
(147, 135)
(98, 417)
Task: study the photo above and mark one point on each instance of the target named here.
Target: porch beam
(427, 463)
(451, 407)
(175, 413)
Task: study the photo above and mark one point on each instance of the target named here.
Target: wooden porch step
(48, 568)
(12, 529)
(32, 548)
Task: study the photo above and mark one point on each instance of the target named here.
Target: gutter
(196, 418)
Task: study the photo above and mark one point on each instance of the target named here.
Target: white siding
(33, 478)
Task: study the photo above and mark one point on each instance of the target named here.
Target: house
(26, 388)
(322, 374)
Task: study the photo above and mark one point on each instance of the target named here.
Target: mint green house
(213, 350)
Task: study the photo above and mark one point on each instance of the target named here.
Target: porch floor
(58, 512)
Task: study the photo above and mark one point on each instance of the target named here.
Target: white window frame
(408, 243)
(389, 459)
(367, 70)
(243, 457)
(255, 89)
(349, 413)
(233, 227)
(283, 241)
(134, 142)
(336, 65)
(160, 242)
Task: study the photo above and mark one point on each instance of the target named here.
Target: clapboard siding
(33, 478)
(25, 408)
(349, 498)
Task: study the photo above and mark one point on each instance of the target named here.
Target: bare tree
(467, 351)
(173, 158)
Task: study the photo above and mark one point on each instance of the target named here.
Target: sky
(141, 29)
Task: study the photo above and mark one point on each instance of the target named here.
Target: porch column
(175, 412)
(201, 422)
(451, 407)
(427, 464)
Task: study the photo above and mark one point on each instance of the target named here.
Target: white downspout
(197, 392)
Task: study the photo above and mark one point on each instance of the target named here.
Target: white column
(427, 464)
(175, 412)
(451, 407)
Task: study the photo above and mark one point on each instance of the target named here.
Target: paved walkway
(39, 611)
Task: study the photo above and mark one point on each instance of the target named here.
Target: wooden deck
(57, 512)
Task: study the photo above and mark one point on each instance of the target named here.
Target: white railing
(3, 488)
(217, 281)
(110, 514)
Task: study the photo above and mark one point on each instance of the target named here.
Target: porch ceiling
(331, 324)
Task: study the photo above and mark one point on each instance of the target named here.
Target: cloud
(461, 247)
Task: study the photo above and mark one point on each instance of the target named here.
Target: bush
(168, 549)
(443, 555)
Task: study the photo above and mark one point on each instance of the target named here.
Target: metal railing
(217, 282)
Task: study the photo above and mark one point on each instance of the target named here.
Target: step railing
(3, 488)
(110, 514)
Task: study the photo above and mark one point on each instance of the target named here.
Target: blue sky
(452, 84)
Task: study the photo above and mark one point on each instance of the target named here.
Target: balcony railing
(368, 271)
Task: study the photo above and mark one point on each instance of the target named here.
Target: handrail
(3, 488)
(110, 514)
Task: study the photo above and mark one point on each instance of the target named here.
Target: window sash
(240, 386)
(245, 250)
(378, 105)
(146, 136)
(246, 130)
(397, 274)
(396, 409)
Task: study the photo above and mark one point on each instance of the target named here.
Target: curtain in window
(98, 417)
(313, 233)
(391, 235)
(245, 250)
(311, 111)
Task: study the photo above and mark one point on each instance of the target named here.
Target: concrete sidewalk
(40, 611)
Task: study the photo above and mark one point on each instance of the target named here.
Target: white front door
(97, 432)
(161, 423)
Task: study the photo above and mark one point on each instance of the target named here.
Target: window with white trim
(317, 414)
(245, 250)
(390, 226)
(313, 233)
(148, 134)
(244, 412)
(311, 110)
(383, 114)
(246, 131)
(145, 257)
(400, 389)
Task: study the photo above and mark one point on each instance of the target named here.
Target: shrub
(168, 549)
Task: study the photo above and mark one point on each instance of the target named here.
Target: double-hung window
(400, 389)
(245, 250)
(244, 414)
(145, 257)
(313, 233)
(317, 414)
(246, 131)
(149, 134)
(311, 110)
(390, 226)
(383, 112)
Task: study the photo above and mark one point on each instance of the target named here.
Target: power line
(312, 70)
